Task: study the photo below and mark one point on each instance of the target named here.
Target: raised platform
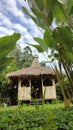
(36, 101)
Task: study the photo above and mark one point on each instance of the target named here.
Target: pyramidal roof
(34, 70)
(35, 63)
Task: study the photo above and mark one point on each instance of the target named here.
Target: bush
(46, 119)
(56, 101)
(64, 119)
(31, 120)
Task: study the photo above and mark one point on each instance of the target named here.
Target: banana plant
(7, 43)
(55, 17)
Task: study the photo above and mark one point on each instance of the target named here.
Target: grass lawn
(32, 107)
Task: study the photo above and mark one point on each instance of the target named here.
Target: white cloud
(12, 19)
(18, 27)
(4, 20)
(35, 31)
(21, 2)
(5, 31)
(7, 26)
(11, 8)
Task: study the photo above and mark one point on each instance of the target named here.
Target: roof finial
(35, 62)
(36, 56)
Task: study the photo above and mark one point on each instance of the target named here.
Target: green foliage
(37, 103)
(60, 14)
(59, 92)
(7, 43)
(45, 11)
(19, 60)
(64, 119)
(46, 119)
(22, 58)
(32, 120)
(8, 93)
(41, 42)
(59, 39)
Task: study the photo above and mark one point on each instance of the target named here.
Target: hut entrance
(36, 88)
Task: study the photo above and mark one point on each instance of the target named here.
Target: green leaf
(38, 47)
(33, 3)
(41, 43)
(41, 4)
(70, 5)
(28, 14)
(43, 23)
(37, 4)
(7, 43)
(49, 56)
(58, 11)
(48, 38)
(71, 12)
(56, 55)
(37, 12)
(63, 35)
(42, 18)
(4, 61)
(64, 2)
(25, 10)
(68, 56)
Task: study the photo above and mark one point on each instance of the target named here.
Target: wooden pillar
(19, 83)
(30, 86)
(54, 88)
(42, 87)
(19, 87)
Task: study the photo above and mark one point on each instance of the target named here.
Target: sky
(13, 19)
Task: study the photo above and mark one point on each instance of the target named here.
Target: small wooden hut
(33, 81)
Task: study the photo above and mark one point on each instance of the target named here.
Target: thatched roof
(34, 70)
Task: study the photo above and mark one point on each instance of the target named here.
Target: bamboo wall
(50, 91)
(25, 92)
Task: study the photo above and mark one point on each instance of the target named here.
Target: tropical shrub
(64, 119)
(46, 119)
(31, 120)
(55, 17)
